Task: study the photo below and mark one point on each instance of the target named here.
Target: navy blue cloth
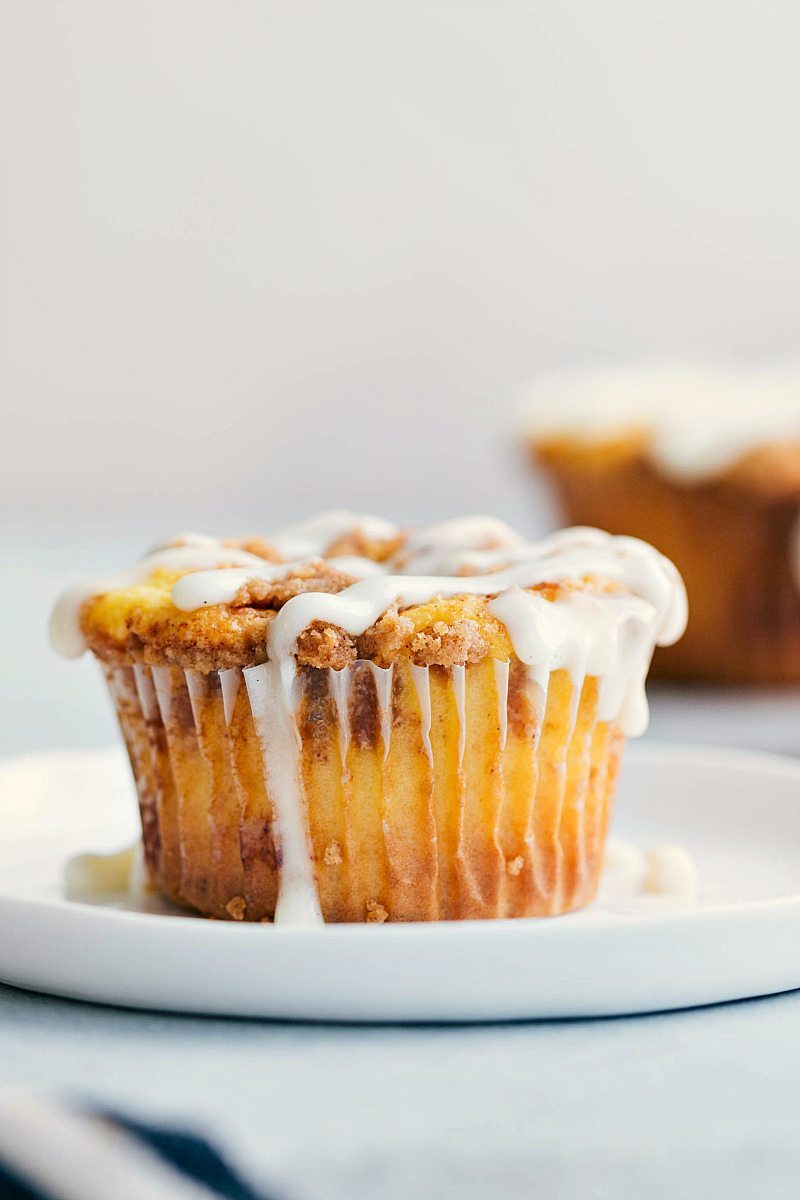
(194, 1156)
(12, 1188)
(191, 1156)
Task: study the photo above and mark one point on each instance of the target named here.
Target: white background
(263, 256)
(259, 258)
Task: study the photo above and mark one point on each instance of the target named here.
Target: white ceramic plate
(737, 813)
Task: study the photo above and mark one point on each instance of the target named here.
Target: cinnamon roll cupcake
(350, 722)
(705, 465)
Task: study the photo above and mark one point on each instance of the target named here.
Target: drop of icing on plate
(95, 875)
(666, 871)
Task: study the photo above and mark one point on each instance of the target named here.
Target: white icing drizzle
(204, 588)
(270, 690)
(314, 535)
(501, 672)
(608, 637)
(359, 568)
(702, 418)
(422, 683)
(445, 548)
(459, 682)
(230, 681)
(602, 632)
(65, 627)
(659, 602)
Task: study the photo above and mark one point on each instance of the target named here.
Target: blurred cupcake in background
(704, 463)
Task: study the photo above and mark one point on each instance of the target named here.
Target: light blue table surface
(696, 1105)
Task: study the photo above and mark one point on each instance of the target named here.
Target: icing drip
(270, 691)
(607, 637)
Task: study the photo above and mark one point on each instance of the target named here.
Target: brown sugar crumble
(325, 646)
(313, 576)
(449, 645)
(450, 632)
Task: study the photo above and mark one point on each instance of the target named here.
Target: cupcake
(349, 722)
(705, 465)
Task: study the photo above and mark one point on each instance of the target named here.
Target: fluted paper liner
(425, 793)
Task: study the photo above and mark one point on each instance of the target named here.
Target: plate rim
(403, 973)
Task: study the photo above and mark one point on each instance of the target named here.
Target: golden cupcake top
(339, 588)
(692, 423)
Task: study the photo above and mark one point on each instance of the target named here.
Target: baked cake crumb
(333, 854)
(236, 908)
(515, 865)
(376, 913)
